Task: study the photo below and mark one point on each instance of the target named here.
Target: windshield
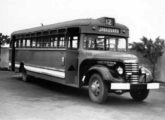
(96, 42)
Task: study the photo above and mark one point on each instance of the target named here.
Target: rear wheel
(139, 95)
(98, 89)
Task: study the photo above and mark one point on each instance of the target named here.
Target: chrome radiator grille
(131, 72)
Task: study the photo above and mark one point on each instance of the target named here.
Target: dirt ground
(43, 100)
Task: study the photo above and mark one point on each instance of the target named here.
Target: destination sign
(110, 21)
(109, 30)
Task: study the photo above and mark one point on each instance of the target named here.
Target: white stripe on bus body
(54, 73)
(17, 65)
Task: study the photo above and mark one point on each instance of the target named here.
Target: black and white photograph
(82, 60)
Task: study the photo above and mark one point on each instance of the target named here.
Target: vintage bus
(82, 52)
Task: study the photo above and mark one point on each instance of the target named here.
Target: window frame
(93, 37)
(70, 42)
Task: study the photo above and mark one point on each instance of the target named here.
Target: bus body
(83, 52)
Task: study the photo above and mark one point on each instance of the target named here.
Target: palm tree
(151, 50)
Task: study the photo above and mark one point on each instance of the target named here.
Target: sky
(142, 17)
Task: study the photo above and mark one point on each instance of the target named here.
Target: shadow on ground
(63, 93)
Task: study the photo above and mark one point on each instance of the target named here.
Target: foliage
(4, 39)
(150, 49)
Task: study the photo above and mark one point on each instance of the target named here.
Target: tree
(151, 50)
(3, 39)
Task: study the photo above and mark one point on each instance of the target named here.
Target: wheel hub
(95, 87)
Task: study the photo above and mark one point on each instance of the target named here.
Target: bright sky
(143, 17)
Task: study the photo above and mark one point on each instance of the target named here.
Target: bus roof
(73, 23)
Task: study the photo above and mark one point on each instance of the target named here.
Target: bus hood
(109, 55)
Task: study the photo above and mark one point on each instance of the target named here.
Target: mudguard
(147, 72)
(104, 71)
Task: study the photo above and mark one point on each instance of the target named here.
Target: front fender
(105, 72)
(146, 72)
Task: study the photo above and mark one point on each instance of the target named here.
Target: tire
(98, 89)
(139, 95)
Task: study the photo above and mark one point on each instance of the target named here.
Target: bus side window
(73, 42)
(51, 42)
(55, 42)
(33, 42)
(43, 42)
(48, 42)
(37, 42)
(85, 43)
(91, 43)
(16, 43)
(40, 42)
(27, 43)
(61, 42)
(19, 43)
(23, 43)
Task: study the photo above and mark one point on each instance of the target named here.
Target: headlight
(120, 70)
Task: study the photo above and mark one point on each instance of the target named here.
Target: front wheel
(139, 95)
(98, 89)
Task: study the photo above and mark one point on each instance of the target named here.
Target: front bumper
(129, 86)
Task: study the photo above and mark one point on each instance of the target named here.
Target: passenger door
(71, 60)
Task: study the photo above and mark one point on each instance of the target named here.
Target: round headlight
(120, 70)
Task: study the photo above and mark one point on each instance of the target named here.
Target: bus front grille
(131, 72)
